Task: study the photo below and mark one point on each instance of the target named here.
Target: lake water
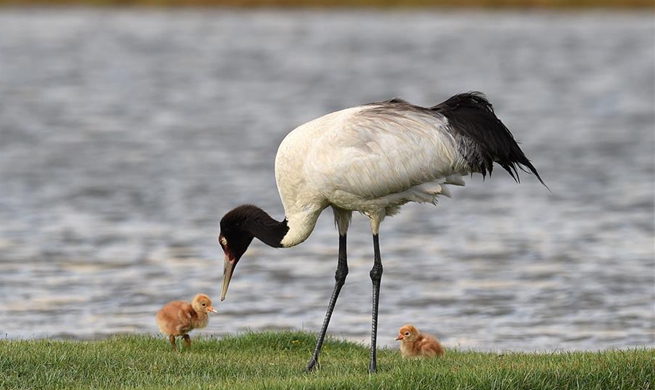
(125, 135)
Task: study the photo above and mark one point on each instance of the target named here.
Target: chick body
(178, 318)
(417, 344)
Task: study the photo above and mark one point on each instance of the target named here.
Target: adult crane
(372, 158)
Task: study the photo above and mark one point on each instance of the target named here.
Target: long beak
(400, 337)
(227, 275)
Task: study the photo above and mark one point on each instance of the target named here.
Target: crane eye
(222, 240)
(406, 333)
(204, 304)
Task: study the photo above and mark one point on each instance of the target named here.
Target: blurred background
(126, 132)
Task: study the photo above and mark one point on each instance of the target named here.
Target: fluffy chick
(416, 344)
(178, 318)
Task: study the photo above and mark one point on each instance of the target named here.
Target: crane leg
(340, 279)
(376, 277)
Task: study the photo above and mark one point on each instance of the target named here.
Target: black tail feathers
(482, 138)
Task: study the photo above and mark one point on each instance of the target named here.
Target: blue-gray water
(126, 134)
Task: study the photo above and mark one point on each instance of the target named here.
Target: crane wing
(381, 150)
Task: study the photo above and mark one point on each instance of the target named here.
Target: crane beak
(400, 337)
(227, 275)
(210, 308)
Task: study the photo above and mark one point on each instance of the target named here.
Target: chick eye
(204, 304)
(406, 333)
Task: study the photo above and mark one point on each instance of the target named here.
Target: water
(127, 134)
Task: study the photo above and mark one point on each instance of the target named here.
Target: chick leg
(187, 340)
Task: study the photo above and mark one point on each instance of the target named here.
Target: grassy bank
(276, 360)
(490, 4)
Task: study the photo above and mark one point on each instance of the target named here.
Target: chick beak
(227, 275)
(400, 337)
(211, 308)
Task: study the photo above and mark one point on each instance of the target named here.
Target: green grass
(276, 360)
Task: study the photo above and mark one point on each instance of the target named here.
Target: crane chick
(416, 344)
(178, 318)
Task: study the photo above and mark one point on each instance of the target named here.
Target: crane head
(234, 244)
(238, 227)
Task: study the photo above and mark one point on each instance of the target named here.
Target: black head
(239, 227)
(234, 238)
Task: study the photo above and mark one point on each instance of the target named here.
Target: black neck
(257, 222)
(269, 231)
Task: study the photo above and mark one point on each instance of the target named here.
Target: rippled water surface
(126, 134)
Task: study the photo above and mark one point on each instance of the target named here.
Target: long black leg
(340, 279)
(376, 277)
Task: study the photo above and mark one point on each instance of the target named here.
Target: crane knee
(376, 272)
(340, 275)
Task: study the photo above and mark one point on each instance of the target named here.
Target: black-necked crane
(372, 158)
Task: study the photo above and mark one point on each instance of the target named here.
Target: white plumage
(372, 159)
(356, 159)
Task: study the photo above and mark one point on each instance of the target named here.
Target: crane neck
(257, 222)
(270, 232)
(251, 221)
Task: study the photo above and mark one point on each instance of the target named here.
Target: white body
(364, 159)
